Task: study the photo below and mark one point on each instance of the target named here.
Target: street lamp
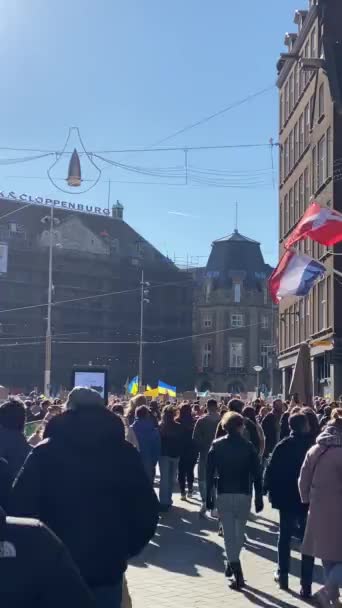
(144, 299)
(258, 369)
(48, 340)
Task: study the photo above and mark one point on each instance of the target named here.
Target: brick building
(234, 316)
(310, 136)
(93, 253)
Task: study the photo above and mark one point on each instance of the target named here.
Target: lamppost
(258, 369)
(144, 299)
(48, 339)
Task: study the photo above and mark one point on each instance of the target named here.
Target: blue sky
(129, 73)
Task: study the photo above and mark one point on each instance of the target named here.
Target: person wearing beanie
(90, 487)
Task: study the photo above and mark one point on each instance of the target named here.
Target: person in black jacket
(90, 487)
(271, 427)
(234, 461)
(14, 447)
(171, 433)
(36, 570)
(281, 482)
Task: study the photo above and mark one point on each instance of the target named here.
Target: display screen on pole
(92, 378)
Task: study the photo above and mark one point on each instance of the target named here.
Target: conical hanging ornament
(74, 172)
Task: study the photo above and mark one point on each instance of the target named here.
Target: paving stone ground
(183, 566)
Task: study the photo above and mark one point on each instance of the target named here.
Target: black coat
(235, 463)
(37, 571)
(284, 425)
(14, 448)
(6, 481)
(282, 472)
(172, 438)
(89, 486)
(271, 427)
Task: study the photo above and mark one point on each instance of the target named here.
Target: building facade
(310, 138)
(97, 264)
(233, 319)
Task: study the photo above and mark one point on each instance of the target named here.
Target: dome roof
(237, 257)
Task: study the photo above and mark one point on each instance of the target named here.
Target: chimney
(299, 18)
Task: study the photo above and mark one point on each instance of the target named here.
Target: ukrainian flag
(167, 389)
(133, 387)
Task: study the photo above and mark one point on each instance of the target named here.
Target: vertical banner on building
(3, 258)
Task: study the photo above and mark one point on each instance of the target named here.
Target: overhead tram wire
(99, 295)
(178, 339)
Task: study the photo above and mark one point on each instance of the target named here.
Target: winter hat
(80, 396)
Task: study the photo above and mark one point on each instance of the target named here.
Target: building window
(291, 207)
(313, 170)
(321, 101)
(329, 170)
(307, 317)
(280, 112)
(307, 74)
(236, 358)
(322, 305)
(306, 125)
(313, 45)
(286, 213)
(286, 158)
(301, 135)
(321, 162)
(286, 101)
(237, 293)
(328, 304)
(206, 355)
(281, 221)
(291, 151)
(296, 202)
(306, 188)
(237, 320)
(265, 352)
(301, 80)
(301, 195)
(265, 322)
(296, 143)
(207, 320)
(12, 227)
(291, 93)
(296, 83)
(301, 320)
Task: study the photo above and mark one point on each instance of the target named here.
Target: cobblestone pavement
(183, 566)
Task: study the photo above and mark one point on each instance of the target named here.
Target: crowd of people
(84, 481)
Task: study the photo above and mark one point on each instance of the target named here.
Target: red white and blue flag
(294, 276)
(320, 224)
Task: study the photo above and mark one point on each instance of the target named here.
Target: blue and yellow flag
(133, 387)
(167, 389)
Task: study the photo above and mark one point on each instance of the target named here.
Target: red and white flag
(318, 223)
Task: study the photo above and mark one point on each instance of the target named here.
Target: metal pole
(48, 341)
(258, 389)
(272, 352)
(141, 332)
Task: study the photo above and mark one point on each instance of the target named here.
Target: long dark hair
(168, 418)
(185, 415)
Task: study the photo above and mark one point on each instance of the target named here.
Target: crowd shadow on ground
(182, 544)
(264, 544)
